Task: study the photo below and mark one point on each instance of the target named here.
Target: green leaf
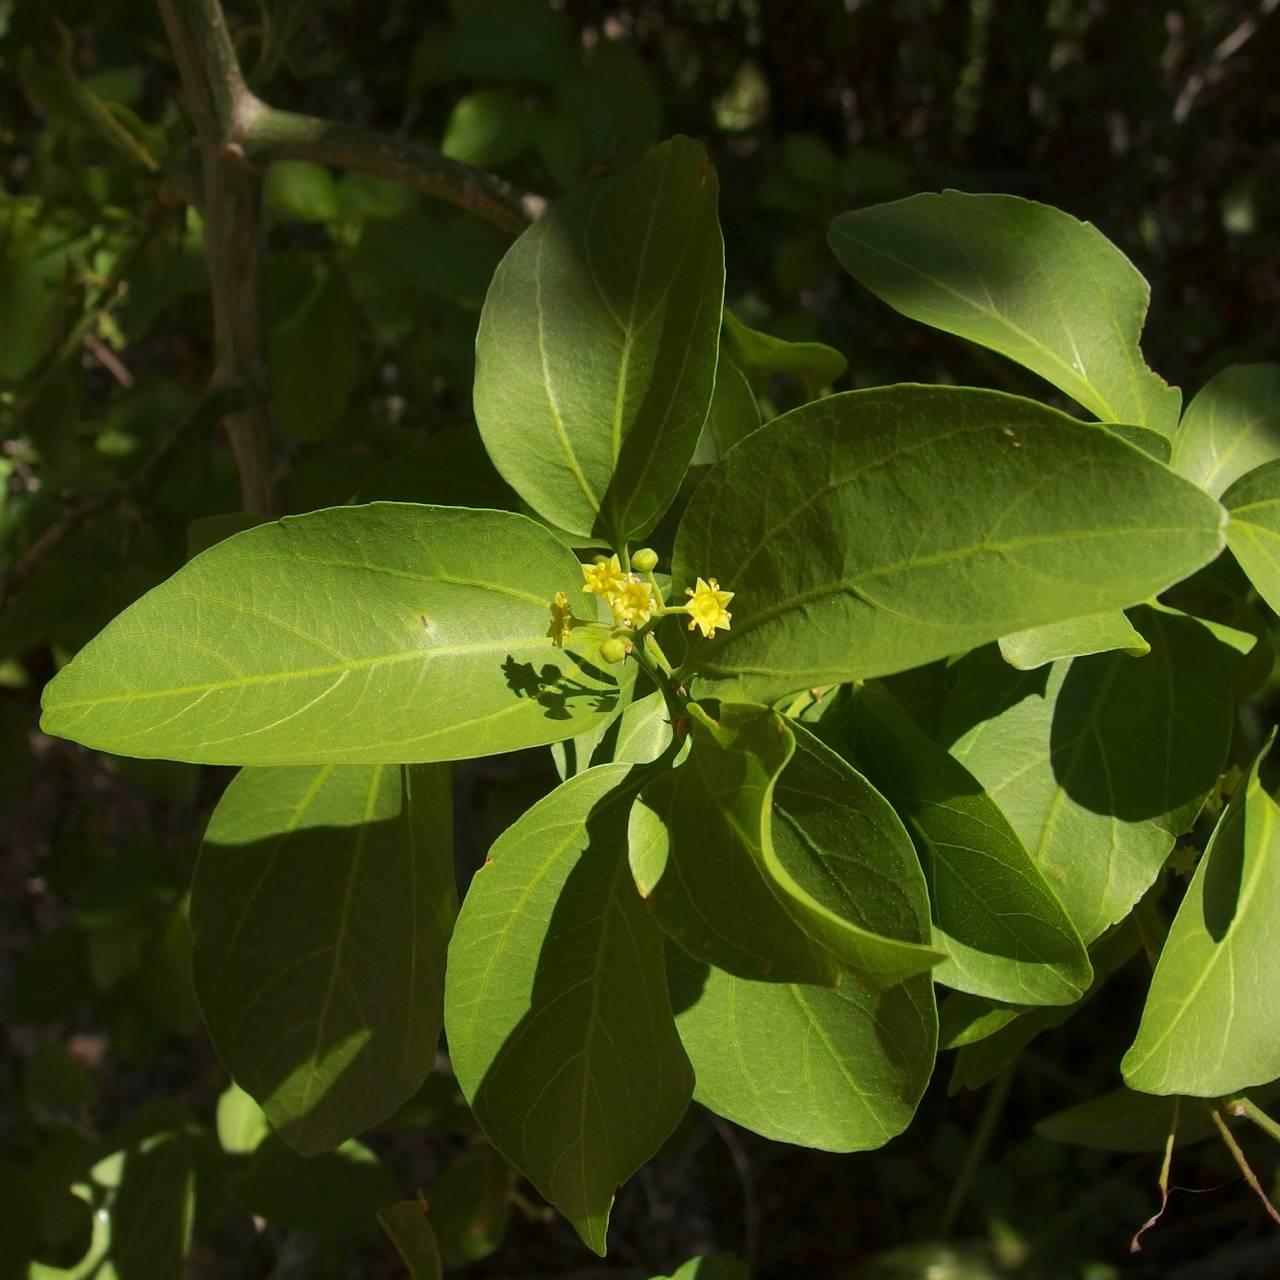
(242, 1125)
(321, 909)
(556, 1006)
(470, 1204)
(356, 635)
(1253, 533)
(451, 469)
(596, 353)
(1005, 933)
(990, 1043)
(1123, 1120)
(511, 42)
(734, 414)
(154, 1209)
(335, 1194)
(813, 364)
(779, 876)
(940, 518)
(638, 736)
(1099, 762)
(314, 349)
(1024, 279)
(839, 1070)
(302, 190)
(1230, 428)
(1074, 638)
(410, 1231)
(1211, 1023)
(489, 128)
(717, 1268)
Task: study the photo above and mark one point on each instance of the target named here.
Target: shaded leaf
(321, 909)
(991, 1042)
(942, 518)
(813, 364)
(557, 1011)
(381, 634)
(1253, 533)
(1005, 932)
(1099, 762)
(409, 1229)
(470, 1204)
(784, 877)
(1024, 279)
(596, 353)
(734, 414)
(337, 1193)
(1123, 1120)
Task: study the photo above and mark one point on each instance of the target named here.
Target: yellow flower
(706, 608)
(561, 619)
(632, 602)
(604, 577)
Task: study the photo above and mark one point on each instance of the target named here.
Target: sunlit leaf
(1211, 1024)
(596, 353)
(938, 518)
(557, 1011)
(381, 634)
(1024, 279)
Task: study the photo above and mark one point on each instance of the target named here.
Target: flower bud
(645, 560)
(613, 649)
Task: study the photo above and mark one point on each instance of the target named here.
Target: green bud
(613, 649)
(645, 560)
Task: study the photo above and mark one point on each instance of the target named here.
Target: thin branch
(1245, 1168)
(135, 491)
(285, 135)
(222, 106)
(1251, 1111)
(992, 1108)
(1135, 1245)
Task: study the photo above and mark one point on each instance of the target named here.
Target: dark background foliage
(1157, 121)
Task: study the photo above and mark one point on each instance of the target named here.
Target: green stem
(997, 1095)
(1244, 1107)
(1243, 1165)
(655, 651)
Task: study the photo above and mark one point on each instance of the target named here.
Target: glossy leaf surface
(1074, 638)
(1211, 1024)
(774, 860)
(1099, 762)
(939, 518)
(559, 1022)
(1005, 932)
(1253, 533)
(813, 364)
(839, 1070)
(1024, 279)
(356, 635)
(1230, 428)
(596, 353)
(321, 910)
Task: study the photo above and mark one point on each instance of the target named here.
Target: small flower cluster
(634, 599)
